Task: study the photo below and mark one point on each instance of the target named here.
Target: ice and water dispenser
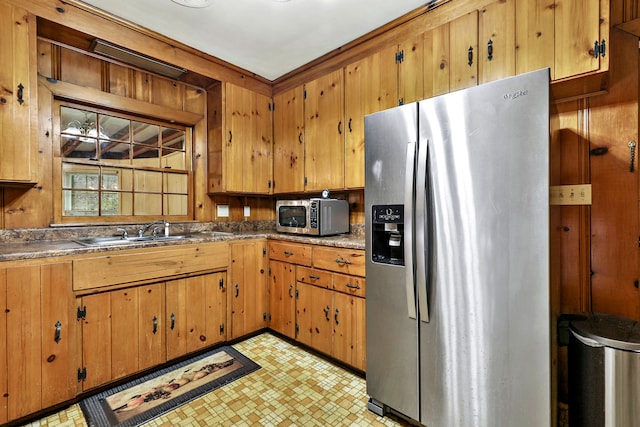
(387, 243)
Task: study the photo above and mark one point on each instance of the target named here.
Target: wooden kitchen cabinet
(347, 261)
(370, 86)
(122, 333)
(314, 308)
(288, 141)
(562, 35)
(18, 102)
(247, 141)
(196, 312)
(39, 338)
(282, 301)
(349, 330)
(248, 287)
(324, 132)
(464, 55)
(496, 41)
(437, 61)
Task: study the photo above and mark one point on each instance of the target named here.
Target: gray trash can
(604, 372)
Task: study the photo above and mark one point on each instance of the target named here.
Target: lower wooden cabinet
(248, 287)
(40, 360)
(128, 330)
(196, 311)
(282, 301)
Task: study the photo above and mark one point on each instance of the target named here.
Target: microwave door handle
(408, 229)
(421, 231)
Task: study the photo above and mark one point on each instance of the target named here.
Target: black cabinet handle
(313, 277)
(230, 137)
(340, 127)
(335, 317)
(300, 137)
(350, 286)
(470, 56)
(237, 290)
(155, 325)
(343, 261)
(490, 50)
(173, 321)
(20, 94)
(350, 130)
(288, 253)
(326, 312)
(290, 291)
(58, 337)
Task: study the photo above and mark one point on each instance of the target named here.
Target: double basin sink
(120, 240)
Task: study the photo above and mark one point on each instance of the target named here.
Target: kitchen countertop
(24, 249)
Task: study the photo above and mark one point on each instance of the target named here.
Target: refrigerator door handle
(408, 229)
(421, 236)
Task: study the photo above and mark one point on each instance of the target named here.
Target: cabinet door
(151, 334)
(313, 315)
(24, 348)
(60, 333)
(282, 302)
(195, 313)
(288, 141)
(410, 70)
(497, 41)
(370, 86)
(247, 135)
(463, 33)
(18, 104)
(349, 331)
(436, 61)
(96, 339)
(577, 26)
(535, 35)
(4, 393)
(324, 131)
(248, 291)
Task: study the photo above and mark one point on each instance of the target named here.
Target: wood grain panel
(176, 318)
(151, 338)
(96, 339)
(129, 266)
(314, 277)
(436, 65)
(497, 25)
(463, 33)
(535, 35)
(125, 332)
(288, 141)
(347, 261)
(3, 349)
(290, 252)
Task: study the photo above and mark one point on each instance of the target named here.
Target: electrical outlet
(222, 211)
(579, 194)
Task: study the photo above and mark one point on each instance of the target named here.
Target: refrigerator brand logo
(516, 94)
(389, 215)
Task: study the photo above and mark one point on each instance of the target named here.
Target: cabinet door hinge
(599, 49)
(305, 181)
(221, 284)
(271, 107)
(82, 313)
(264, 252)
(82, 374)
(269, 184)
(221, 328)
(399, 57)
(269, 271)
(297, 294)
(305, 94)
(297, 329)
(401, 101)
(264, 316)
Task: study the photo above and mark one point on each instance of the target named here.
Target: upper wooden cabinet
(370, 86)
(324, 130)
(18, 103)
(240, 154)
(464, 55)
(562, 35)
(497, 41)
(288, 141)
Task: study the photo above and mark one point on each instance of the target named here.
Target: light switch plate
(579, 194)
(247, 211)
(223, 211)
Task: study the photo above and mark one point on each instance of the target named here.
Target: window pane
(78, 147)
(173, 138)
(117, 179)
(80, 176)
(115, 152)
(149, 182)
(176, 183)
(148, 204)
(110, 203)
(173, 159)
(175, 204)
(145, 156)
(146, 134)
(80, 203)
(115, 128)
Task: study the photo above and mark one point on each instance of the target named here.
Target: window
(115, 166)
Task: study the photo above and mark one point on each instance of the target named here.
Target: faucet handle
(125, 235)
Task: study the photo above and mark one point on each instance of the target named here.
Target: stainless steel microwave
(317, 217)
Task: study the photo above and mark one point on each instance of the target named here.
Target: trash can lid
(609, 330)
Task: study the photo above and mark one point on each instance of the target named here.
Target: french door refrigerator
(457, 246)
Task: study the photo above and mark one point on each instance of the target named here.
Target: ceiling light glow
(193, 3)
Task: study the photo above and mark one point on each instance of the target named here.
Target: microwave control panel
(313, 214)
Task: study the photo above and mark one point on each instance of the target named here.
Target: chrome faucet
(146, 228)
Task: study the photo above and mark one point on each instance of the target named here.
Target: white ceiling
(266, 37)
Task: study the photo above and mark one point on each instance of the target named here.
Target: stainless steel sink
(119, 240)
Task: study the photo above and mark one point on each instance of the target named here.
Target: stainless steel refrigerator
(457, 246)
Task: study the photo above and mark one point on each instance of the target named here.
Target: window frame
(164, 119)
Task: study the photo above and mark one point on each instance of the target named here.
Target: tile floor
(293, 388)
